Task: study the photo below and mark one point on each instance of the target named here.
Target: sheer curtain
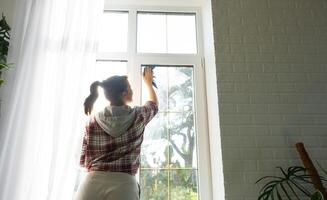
(53, 51)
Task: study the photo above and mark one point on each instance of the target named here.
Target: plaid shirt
(103, 152)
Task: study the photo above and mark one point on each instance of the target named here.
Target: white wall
(271, 58)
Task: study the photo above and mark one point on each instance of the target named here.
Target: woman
(112, 141)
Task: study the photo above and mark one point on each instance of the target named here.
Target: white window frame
(134, 62)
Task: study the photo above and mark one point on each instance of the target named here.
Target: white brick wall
(271, 58)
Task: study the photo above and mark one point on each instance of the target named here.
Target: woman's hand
(148, 76)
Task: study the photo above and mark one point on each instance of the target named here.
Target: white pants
(101, 185)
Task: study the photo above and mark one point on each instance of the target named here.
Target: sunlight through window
(102, 71)
(166, 33)
(113, 32)
(168, 157)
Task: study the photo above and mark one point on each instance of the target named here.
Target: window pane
(102, 71)
(183, 140)
(166, 33)
(169, 184)
(180, 81)
(181, 34)
(183, 184)
(154, 184)
(113, 32)
(170, 139)
(155, 145)
(151, 33)
(161, 79)
(175, 88)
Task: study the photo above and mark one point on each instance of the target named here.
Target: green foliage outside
(181, 185)
(4, 46)
(170, 173)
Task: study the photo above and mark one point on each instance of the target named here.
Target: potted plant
(4, 46)
(296, 181)
(292, 184)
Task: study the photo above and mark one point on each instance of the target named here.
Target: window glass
(113, 32)
(166, 33)
(151, 33)
(181, 34)
(169, 167)
(168, 158)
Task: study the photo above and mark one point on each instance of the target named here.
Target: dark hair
(113, 89)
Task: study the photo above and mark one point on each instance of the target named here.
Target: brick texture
(271, 58)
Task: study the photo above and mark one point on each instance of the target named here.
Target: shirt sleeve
(148, 111)
(82, 161)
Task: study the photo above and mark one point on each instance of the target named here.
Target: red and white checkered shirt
(103, 152)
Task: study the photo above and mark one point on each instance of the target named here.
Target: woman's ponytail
(89, 101)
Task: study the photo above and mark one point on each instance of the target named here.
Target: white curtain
(41, 125)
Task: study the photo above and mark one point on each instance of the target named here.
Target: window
(133, 38)
(166, 33)
(168, 160)
(113, 32)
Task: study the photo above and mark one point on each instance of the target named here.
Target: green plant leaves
(317, 196)
(4, 66)
(4, 38)
(4, 45)
(290, 185)
(3, 24)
